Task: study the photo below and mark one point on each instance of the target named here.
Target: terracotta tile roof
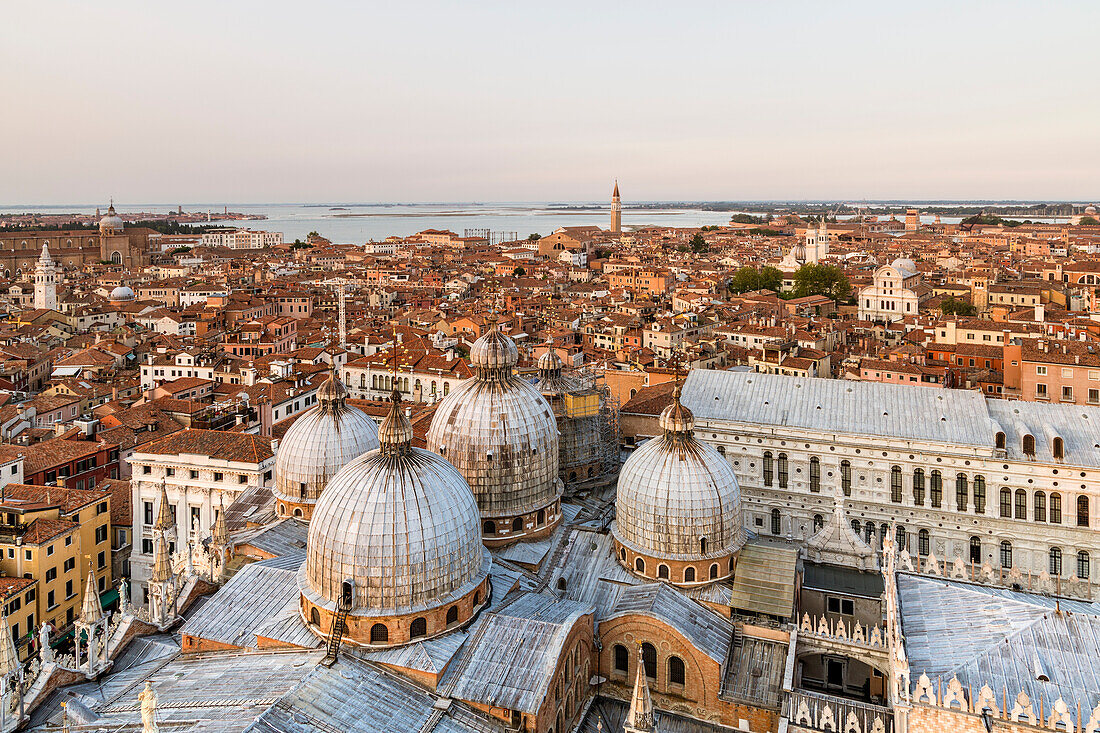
(120, 501)
(241, 447)
(44, 530)
(70, 500)
(12, 586)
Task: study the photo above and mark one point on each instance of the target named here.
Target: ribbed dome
(675, 491)
(320, 443)
(550, 361)
(500, 433)
(494, 353)
(399, 522)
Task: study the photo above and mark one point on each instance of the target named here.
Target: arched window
(1006, 555)
(315, 616)
(1055, 508)
(979, 494)
(1021, 504)
(562, 584)
(819, 522)
(714, 571)
(1029, 446)
(452, 612)
(1039, 507)
(775, 521)
(1001, 441)
(477, 598)
(815, 474)
(856, 526)
(1083, 565)
(116, 258)
(418, 628)
(902, 538)
(918, 486)
(961, 493)
(379, 634)
(1082, 511)
(1058, 449)
(767, 468)
(1006, 503)
(622, 658)
(935, 489)
(846, 477)
(1056, 561)
(540, 517)
(639, 565)
(922, 542)
(622, 554)
(446, 388)
(489, 527)
(895, 484)
(975, 550)
(782, 470)
(649, 660)
(702, 545)
(662, 571)
(676, 671)
(517, 524)
(869, 533)
(689, 575)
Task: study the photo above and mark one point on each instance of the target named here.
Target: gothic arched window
(622, 658)
(649, 660)
(675, 671)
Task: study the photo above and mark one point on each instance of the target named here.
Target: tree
(698, 244)
(1088, 221)
(519, 272)
(534, 237)
(827, 280)
(749, 278)
(952, 306)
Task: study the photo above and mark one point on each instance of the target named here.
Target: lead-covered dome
(122, 293)
(111, 223)
(678, 500)
(400, 525)
(317, 445)
(500, 433)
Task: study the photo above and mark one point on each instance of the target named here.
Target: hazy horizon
(502, 102)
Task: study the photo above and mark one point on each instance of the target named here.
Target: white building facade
(202, 471)
(242, 239)
(895, 293)
(950, 473)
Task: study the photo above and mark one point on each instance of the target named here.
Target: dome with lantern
(395, 542)
(317, 445)
(111, 223)
(678, 506)
(122, 294)
(500, 433)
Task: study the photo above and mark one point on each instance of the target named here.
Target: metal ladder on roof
(336, 636)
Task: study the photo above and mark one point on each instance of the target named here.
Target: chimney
(1040, 313)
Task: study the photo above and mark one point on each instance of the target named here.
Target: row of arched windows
(689, 575)
(1027, 445)
(1044, 508)
(676, 674)
(418, 627)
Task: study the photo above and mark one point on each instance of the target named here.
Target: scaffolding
(490, 236)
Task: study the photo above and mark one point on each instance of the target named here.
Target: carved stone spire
(91, 613)
(9, 658)
(640, 718)
(164, 517)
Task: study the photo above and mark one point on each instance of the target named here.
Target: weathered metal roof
(765, 578)
(1001, 638)
(607, 715)
(511, 656)
(841, 580)
(284, 537)
(261, 599)
(358, 697)
(707, 631)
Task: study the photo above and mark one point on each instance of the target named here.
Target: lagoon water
(350, 223)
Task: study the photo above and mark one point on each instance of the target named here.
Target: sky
(316, 101)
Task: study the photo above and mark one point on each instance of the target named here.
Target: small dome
(1090, 210)
(677, 497)
(112, 223)
(500, 433)
(550, 361)
(320, 443)
(494, 351)
(401, 524)
(122, 293)
(904, 266)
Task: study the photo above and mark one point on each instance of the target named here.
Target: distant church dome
(500, 433)
(122, 293)
(112, 223)
(1090, 210)
(396, 532)
(678, 506)
(317, 445)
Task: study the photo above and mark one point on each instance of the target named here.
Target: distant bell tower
(46, 281)
(616, 211)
